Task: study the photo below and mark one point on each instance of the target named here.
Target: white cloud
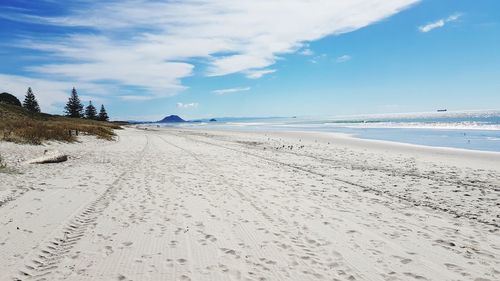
(153, 48)
(431, 26)
(306, 52)
(343, 58)
(230, 91)
(96, 100)
(318, 58)
(256, 74)
(439, 23)
(136, 98)
(187, 105)
(454, 17)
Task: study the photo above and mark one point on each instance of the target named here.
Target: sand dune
(168, 204)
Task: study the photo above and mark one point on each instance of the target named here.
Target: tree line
(74, 107)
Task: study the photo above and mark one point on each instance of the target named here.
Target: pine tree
(103, 115)
(90, 112)
(30, 102)
(74, 108)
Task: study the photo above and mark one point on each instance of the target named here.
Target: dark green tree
(90, 112)
(74, 108)
(103, 115)
(30, 102)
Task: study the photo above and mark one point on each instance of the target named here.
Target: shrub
(9, 99)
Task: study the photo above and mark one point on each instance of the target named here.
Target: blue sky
(146, 59)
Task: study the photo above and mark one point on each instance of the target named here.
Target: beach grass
(20, 126)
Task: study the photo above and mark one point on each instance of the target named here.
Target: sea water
(465, 130)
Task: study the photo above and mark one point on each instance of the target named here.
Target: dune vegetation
(22, 126)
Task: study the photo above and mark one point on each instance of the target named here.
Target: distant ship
(442, 110)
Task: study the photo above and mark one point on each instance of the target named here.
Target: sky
(145, 59)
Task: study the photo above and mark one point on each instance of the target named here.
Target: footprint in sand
(109, 250)
(406, 261)
(210, 237)
(418, 277)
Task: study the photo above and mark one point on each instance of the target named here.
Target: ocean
(465, 130)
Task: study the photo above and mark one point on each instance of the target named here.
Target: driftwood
(50, 157)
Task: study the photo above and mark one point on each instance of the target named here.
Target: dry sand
(169, 204)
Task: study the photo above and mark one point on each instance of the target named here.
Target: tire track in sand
(45, 259)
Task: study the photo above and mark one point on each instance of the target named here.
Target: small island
(172, 119)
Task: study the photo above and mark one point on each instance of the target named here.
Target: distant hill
(172, 119)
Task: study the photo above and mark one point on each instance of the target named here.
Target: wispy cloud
(439, 23)
(343, 58)
(135, 98)
(187, 105)
(153, 48)
(318, 58)
(230, 91)
(256, 74)
(306, 52)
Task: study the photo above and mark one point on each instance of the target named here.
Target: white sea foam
(418, 125)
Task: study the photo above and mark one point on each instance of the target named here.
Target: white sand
(193, 205)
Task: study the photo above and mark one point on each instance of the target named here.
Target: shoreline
(352, 139)
(357, 132)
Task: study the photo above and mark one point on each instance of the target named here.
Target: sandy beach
(178, 204)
